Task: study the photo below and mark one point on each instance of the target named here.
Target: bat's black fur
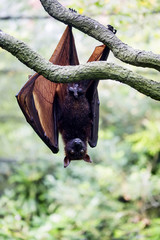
(75, 124)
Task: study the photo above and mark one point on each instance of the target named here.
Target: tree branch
(93, 70)
(96, 30)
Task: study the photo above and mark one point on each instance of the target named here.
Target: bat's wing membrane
(100, 54)
(38, 98)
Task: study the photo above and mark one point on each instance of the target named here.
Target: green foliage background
(118, 196)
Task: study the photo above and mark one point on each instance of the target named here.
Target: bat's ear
(87, 158)
(66, 162)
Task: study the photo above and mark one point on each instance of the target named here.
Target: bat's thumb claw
(66, 162)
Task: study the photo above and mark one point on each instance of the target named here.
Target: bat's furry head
(76, 149)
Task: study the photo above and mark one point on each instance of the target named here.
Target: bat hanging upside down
(69, 108)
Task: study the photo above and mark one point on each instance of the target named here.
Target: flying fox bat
(69, 108)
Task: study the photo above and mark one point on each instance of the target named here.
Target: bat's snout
(79, 147)
(75, 149)
(78, 143)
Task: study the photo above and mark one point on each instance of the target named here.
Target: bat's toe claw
(72, 10)
(112, 29)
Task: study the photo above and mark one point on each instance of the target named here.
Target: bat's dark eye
(80, 91)
(72, 152)
(82, 151)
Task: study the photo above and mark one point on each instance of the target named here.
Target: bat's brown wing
(38, 98)
(100, 54)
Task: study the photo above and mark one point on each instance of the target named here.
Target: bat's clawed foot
(112, 29)
(72, 10)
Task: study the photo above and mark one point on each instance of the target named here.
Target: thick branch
(96, 30)
(93, 70)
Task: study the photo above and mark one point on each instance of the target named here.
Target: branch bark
(93, 70)
(96, 30)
